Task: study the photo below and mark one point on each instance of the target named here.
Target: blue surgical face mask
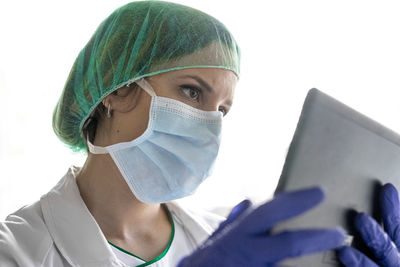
(173, 156)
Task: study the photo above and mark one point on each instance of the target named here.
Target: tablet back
(346, 153)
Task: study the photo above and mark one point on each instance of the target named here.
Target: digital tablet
(346, 153)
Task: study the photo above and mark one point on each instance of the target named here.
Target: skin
(142, 229)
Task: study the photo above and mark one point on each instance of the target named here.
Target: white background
(348, 49)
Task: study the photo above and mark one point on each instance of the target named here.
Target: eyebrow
(200, 81)
(204, 84)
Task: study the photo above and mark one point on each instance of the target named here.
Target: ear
(105, 101)
(124, 99)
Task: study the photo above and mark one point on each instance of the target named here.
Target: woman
(145, 98)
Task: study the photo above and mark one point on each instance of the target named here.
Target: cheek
(133, 124)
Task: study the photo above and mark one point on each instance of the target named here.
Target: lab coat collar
(73, 229)
(77, 235)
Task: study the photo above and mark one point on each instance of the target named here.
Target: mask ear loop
(145, 85)
(95, 149)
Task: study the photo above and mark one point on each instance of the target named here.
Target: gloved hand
(384, 245)
(244, 239)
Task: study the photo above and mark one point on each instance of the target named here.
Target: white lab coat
(59, 231)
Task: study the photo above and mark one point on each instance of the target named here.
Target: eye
(191, 92)
(223, 110)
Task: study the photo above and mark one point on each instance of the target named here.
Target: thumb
(236, 212)
(350, 257)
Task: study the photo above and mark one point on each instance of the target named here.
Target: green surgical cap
(137, 40)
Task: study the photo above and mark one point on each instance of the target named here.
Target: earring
(109, 111)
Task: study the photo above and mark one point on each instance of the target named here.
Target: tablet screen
(349, 156)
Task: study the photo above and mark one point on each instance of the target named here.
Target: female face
(208, 89)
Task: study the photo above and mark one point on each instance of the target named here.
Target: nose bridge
(212, 105)
(218, 98)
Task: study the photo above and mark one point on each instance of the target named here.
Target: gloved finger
(288, 244)
(390, 207)
(236, 212)
(283, 206)
(350, 257)
(377, 240)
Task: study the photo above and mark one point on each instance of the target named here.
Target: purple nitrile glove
(245, 239)
(384, 243)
